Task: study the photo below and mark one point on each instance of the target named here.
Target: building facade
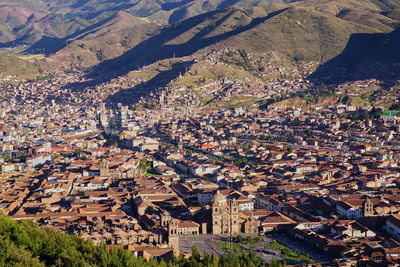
(225, 215)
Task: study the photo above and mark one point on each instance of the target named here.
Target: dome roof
(218, 198)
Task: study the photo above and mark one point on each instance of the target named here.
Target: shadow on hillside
(47, 45)
(181, 12)
(157, 48)
(172, 5)
(134, 94)
(366, 56)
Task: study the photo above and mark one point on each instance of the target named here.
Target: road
(202, 242)
(303, 248)
(208, 243)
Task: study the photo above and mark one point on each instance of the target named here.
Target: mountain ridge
(116, 38)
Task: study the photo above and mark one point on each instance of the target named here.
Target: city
(200, 133)
(147, 179)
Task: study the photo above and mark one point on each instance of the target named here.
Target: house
(351, 229)
(38, 160)
(392, 226)
(98, 152)
(204, 197)
(8, 167)
(302, 169)
(275, 220)
(344, 209)
(188, 228)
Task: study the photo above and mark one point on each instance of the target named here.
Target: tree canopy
(23, 243)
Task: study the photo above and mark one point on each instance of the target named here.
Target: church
(228, 218)
(225, 215)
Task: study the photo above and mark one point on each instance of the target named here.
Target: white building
(343, 209)
(392, 226)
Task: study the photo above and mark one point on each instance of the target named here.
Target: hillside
(27, 21)
(301, 34)
(385, 53)
(23, 243)
(122, 36)
(296, 33)
(103, 41)
(10, 65)
(187, 37)
(366, 56)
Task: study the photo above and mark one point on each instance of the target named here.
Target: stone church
(173, 229)
(225, 215)
(118, 172)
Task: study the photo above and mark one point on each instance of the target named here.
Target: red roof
(207, 146)
(100, 149)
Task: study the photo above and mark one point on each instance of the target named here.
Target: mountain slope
(366, 56)
(106, 40)
(302, 34)
(296, 33)
(27, 21)
(10, 65)
(32, 19)
(97, 32)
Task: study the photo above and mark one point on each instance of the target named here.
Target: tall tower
(234, 212)
(104, 168)
(165, 218)
(173, 237)
(368, 208)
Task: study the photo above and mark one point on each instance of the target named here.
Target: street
(208, 243)
(301, 247)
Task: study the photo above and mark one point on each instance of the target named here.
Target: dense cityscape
(200, 133)
(318, 181)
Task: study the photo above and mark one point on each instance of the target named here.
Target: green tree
(23, 243)
(195, 254)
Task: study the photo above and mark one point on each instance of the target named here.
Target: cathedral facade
(225, 215)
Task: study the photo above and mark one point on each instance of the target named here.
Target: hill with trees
(23, 243)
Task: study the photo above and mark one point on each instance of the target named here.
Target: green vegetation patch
(232, 247)
(247, 240)
(145, 165)
(23, 243)
(288, 254)
(10, 65)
